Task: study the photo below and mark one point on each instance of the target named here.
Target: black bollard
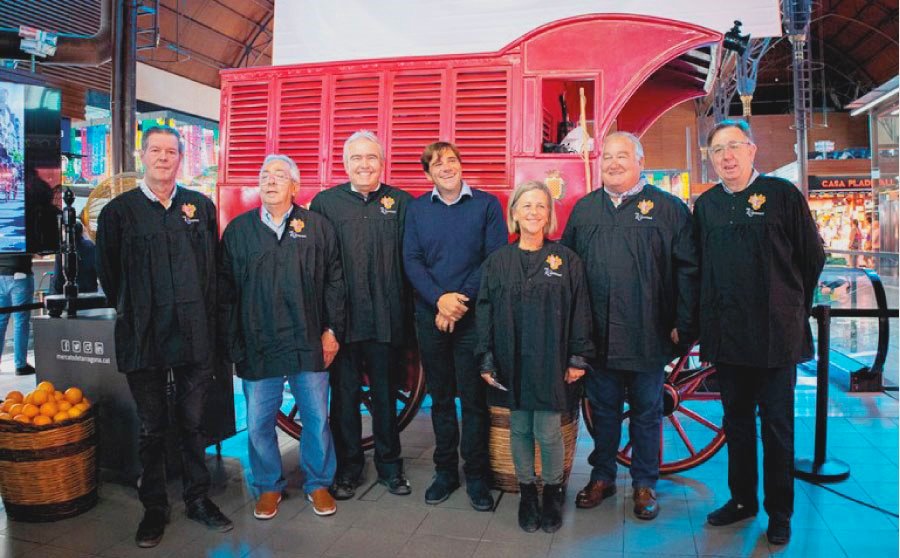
(69, 254)
(820, 468)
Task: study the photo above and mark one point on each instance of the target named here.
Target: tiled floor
(863, 431)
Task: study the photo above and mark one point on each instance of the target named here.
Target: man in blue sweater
(448, 235)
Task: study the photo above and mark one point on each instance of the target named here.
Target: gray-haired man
(368, 218)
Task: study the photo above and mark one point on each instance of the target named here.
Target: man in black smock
(761, 257)
(156, 249)
(637, 245)
(368, 219)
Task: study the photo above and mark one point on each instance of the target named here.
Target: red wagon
(503, 109)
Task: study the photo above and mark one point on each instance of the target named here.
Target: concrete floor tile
(861, 545)
(462, 524)
(495, 549)
(650, 539)
(362, 543)
(749, 541)
(436, 546)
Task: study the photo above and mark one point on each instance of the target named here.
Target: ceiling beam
(202, 25)
(244, 58)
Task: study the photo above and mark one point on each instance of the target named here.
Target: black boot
(551, 517)
(529, 508)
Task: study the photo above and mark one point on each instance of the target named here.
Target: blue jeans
(14, 292)
(317, 458)
(605, 390)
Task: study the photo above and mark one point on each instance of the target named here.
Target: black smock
(158, 266)
(277, 297)
(642, 273)
(534, 321)
(370, 233)
(761, 257)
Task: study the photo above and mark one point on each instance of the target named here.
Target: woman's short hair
(511, 225)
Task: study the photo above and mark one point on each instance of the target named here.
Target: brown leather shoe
(645, 504)
(322, 501)
(593, 493)
(267, 505)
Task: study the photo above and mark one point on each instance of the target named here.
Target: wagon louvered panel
(248, 117)
(356, 101)
(415, 122)
(481, 125)
(300, 127)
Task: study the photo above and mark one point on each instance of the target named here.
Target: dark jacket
(370, 235)
(158, 267)
(445, 245)
(642, 273)
(277, 297)
(760, 258)
(534, 321)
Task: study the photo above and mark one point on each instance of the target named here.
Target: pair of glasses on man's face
(279, 177)
(731, 147)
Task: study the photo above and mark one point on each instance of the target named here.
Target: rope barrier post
(820, 468)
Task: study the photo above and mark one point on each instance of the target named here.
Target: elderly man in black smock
(368, 219)
(761, 258)
(637, 245)
(282, 309)
(156, 248)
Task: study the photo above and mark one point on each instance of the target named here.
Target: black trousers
(771, 390)
(450, 368)
(378, 362)
(148, 388)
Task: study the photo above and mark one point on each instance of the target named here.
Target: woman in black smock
(534, 323)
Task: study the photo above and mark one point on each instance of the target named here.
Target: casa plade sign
(849, 182)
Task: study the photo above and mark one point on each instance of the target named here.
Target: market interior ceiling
(854, 45)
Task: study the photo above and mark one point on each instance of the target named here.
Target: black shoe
(731, 512)
(397, 485)
(441, 488)
(205, 512)
(779, 532)
(551, 513)
(152, 526)
(479, 495)
(344, 488)
(529, 508)
(26, 370)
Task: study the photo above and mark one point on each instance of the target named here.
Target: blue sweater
(444, 246)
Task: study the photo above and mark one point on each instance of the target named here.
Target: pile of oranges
(44, 406)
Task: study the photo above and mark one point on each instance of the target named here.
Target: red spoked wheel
(691, 429)
(410, 393)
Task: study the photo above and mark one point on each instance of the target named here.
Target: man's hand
(443, 323)
(573, 374)
(452, 305)
(330, 347)
(674, 335)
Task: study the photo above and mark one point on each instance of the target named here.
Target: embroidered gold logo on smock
(554, 261)
(387, 202)
(644, 206)
(189, 210)
(756, 201)
(297, 225)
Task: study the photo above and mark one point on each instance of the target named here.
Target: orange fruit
(63, 405)
(15, 409)
(29, 398)
(58, 395)
(39, 397)
(30, 410)
(41, 420)
(22, 418)
(86, 401)
(49, 408)
(46, 386)
(74, 412)
(60, 416)
(74, 395)
(83, 406)
(4, 407)
(15, 395)
(5, 416)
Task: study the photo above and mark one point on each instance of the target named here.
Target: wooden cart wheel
(692, 416)
(410, 393)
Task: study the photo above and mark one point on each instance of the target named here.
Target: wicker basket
(48, 473)
(501, 456)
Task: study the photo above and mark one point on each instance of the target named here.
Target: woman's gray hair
(638, 148)
(292, 166)
(362, 135)
(511, 225)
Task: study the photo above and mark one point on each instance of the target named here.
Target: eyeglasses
(731, 147)
(280, 177)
